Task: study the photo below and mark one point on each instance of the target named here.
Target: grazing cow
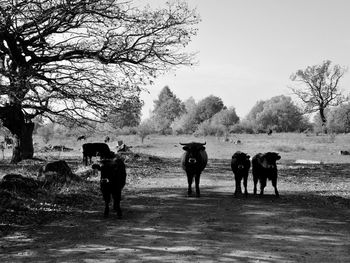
(269, 132)
(81, 138)
(96, 149)
(265, 167)
(193, 162)
(107, 139)
(112, 181)
(240, 165)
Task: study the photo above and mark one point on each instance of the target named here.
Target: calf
(112, 181)
(240, 165)
(265, 167)
(193, 161)
(96, 149)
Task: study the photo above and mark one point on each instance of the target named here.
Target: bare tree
(319, 88)
(81, 59)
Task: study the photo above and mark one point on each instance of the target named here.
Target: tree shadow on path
(163, 225)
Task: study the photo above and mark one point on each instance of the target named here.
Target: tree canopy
(278, 113)
(82, 59)
(320, 87)
(166, 109)
(226, 118)
(338, 118)
(128, 115)
(208, 107)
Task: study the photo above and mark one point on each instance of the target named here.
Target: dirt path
(161, 224)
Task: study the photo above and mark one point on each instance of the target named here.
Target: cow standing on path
(112, 181)
(265, 167)
(193, 161)
(240, 165)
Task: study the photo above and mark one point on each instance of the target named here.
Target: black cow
(96, 149)
(112, 181)
(193, 162)
(81, 138)
(265, 167)
(240, 165)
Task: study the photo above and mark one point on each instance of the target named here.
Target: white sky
(249, 48)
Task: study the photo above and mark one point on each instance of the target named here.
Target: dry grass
(291, 146)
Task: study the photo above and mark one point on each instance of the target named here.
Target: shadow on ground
(161, 224)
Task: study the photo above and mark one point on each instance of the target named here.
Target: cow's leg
(107, 199)
(255, 179)
(262, 185)
(274, 184)
(189, 180)
(245, 179)
(238, 189)
(197, 179)
(116, 203)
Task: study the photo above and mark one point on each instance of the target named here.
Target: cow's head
(241, 159)
(106, 168)
(193, 149)
(268, 160)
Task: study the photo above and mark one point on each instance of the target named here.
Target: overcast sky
(249, 48)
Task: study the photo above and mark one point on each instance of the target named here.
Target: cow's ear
(248, 157)
(96, 166)
(202, 148)
(278, 156)
(185, 148)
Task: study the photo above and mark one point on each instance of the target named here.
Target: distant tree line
(210, 116)
(317, 87)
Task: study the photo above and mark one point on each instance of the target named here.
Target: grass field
(291, 146)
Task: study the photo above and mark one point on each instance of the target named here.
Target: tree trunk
(23, 143)
(22, 131)
(324, 120)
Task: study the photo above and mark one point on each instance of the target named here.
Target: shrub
(244, 127)
(206, 128)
